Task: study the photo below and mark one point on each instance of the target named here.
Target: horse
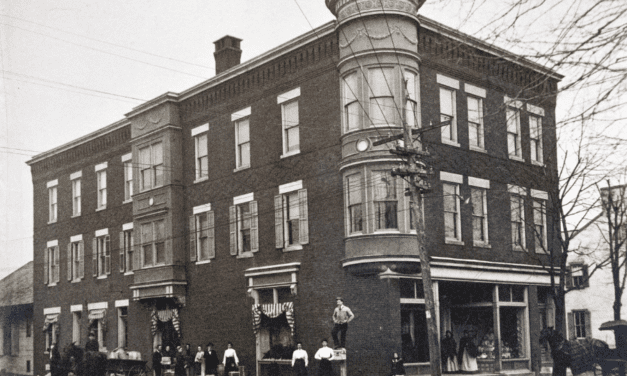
(77, 362)
(580, 355)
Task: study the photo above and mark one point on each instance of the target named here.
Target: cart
(127, 367)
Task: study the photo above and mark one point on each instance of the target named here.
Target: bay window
(151, 166)
(153, 243)
(385, 200)
(382, 108)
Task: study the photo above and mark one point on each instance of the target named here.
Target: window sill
(102, 277)
(130, 200)
(52, 284)
(478, 149)
(519, 248)
(76, 215)
(387, 231)
(245, 255)
(295, 247)
(289, 154)
(203, 262)
(537, 163)
(516, 158)
(481, 244)
(76, 280)
(450, 142)
(241, 168)
(129, 273)
(101, 209)
(355, 234)
(453, 241)
(201, 179)
(51, 222)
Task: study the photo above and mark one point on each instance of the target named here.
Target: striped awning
(50, 319)
(273, 311)
(96, 314)
(165, 315)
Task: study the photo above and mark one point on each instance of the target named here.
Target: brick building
(239, 209)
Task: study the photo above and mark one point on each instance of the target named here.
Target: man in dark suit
(156, 360)
(92, 343)
(211, 360)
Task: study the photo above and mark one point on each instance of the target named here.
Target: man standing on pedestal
(342, 315)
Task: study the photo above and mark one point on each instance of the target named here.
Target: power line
(109, 43)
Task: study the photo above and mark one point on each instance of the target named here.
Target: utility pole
(416, 173)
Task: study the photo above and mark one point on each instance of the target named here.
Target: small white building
(16, 322)
(590, 305)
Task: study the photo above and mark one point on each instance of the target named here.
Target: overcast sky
(70, 67)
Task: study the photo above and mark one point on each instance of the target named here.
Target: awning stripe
(50, 319)
(273, 311)
(96, 314)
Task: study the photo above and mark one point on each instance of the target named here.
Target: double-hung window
(580, 324)
(385, 201)
(354, 199)
(452, 208)
(411, 99)
(153, 243)
(350, 97)
(382, 108)
(122, 326)
(126, 248)
(244, 230)
(202, 234)
(475, 116)
(478, 196)
(77, 313)
(52, 200)
(128, 176)
(448, 110)
(539, 220)
(101, 256)
(76, 258)
(291, 218)
(151, 166)
(51, 264)
(579, 275)
(75, 178)
(201, 152)
(290, 121)
(535, 133)
(101, 182)
(242, 138)
(512, 113)
(517, 209)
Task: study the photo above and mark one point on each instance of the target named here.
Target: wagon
(127, 367)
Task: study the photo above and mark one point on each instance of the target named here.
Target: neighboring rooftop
(17, 287)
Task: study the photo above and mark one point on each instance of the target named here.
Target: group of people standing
(463, 359)
(187, 363)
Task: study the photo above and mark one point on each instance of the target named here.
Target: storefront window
(415, 344)
(411, 289)
(513, 332)
(508, 293)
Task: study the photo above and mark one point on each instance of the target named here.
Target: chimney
(228, 53)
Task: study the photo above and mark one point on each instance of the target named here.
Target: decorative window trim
(200, 129)
(52, 310)
(52, 183)
(101, 166)
(288, 96)
(512, 102)
(535, 110)
(76, 238)
(121, 303)
(101, 232)
(76, 175)
(127, 226)
(201, 208)
(475, 90)
(127, 157)
(98, 305)
(52, 243)
(242, 199)
(76, 308)
(539, 194)
(521, 191)
(477, 182)
(447, 81)
(290, 187)
(238, 115)
(451, 177)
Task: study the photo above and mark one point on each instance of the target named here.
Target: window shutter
(254, 227)
(233, 230)
(122, 263)
(94, 251)
(56, 263)
(278, 220)
(211, 234)
(192, 238)
(304, 221)
(69, 261)
(131, 263)
(571, 326)
(107, 255)
(586, 278)
(568, 277)
(136, 253)
(588, 324)
(46, 266)
(81, 259)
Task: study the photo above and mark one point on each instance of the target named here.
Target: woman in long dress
(398, 368)
(324, 355)
(449, 352)
(230, 361)
(468, 354)
(300, 360)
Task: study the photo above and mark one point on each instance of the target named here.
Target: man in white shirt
(342, 315)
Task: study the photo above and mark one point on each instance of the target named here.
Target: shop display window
(415, 343)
